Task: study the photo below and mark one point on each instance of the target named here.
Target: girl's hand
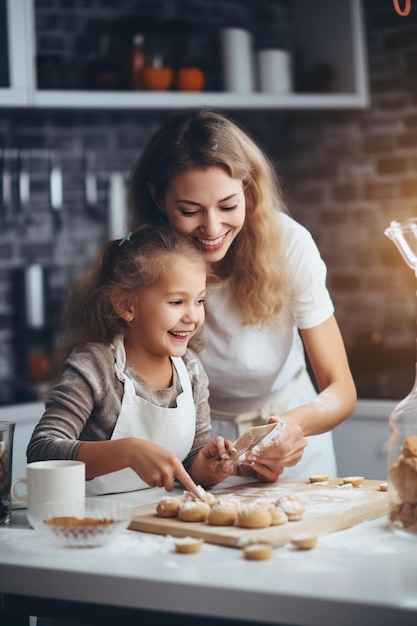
(212, 465)
(284, 450)
(159, 467)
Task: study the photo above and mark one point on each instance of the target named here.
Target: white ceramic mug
(48, 481)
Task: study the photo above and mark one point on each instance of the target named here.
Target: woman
(267, 299)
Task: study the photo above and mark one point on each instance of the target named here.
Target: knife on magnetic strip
(55, 190)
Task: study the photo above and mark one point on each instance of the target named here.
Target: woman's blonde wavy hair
(255, 262)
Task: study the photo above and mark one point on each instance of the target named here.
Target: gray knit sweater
(85, 404)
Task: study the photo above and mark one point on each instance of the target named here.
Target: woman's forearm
(334, 404)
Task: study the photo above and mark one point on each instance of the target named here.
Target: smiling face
(209, 205)
(163, 317)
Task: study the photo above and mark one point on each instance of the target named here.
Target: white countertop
(363, 575)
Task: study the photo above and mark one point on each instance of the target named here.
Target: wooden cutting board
(328, 508)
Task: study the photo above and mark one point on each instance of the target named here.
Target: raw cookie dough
(205, 496)
(319, 478)
(168, 507)
(194, 511)
(304, 542)
(223, 513)
(257, 552)
(188, 545)
(279, 516)
(355, 481)
(293, 506)
(254, 515)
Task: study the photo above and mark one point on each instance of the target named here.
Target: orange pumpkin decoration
(39, 366)
(191, 79)
(158, 78)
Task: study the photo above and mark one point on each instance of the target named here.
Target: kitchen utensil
(56, 190)
(87, 523)
(25, 217)
(404, 235)
(9, 164)
(90, 186)
(249, 439)
(328, 508)
(6, 462)
(34, 292)
(117, 206)
(32, 338)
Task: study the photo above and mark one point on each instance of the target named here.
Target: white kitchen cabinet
(20, 44)
(325, 30)
(361, 440)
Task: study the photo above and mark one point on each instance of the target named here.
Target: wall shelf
(156, 100)
(329, 30)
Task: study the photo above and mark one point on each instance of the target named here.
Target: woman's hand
(211, 465)
(284, 450)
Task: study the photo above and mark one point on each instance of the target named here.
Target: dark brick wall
(346, 174)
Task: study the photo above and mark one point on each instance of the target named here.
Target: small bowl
(83, 523)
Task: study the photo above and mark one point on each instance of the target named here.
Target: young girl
(132, 401)
(267, 301)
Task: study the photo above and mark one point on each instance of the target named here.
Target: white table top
(363, 575)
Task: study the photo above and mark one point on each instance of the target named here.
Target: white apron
(319, 455)
(173, 428)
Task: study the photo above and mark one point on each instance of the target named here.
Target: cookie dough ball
(223, 513)
(209, 498)
(293, 506)
(205, 496)
(188, 545)
(355, 481)
(319, 478)
(257, 552)
(278, 515)
(304, 542)
(254, 515)
(193, 511)
(168, 507)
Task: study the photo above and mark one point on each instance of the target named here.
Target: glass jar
(402, 445)
(402, 466)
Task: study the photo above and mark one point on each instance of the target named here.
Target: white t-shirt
(248, 367)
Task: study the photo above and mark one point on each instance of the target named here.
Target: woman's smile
(212, 244)
(209, 205)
